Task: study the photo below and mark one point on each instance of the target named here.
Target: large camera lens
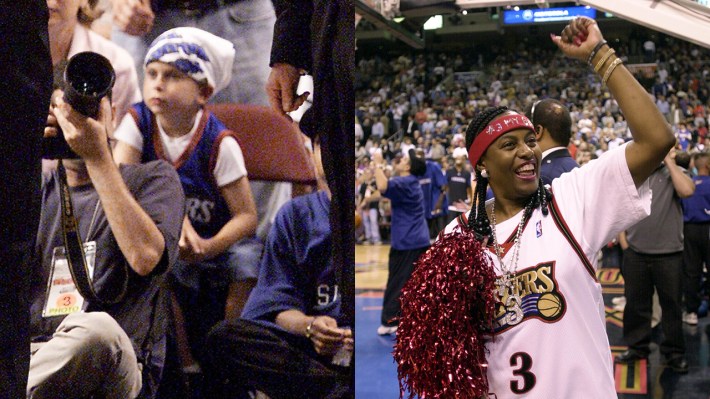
(88, 77)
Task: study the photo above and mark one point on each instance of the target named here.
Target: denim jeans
(372, 227)
(202, 288)
(240, 262)
(248, 24)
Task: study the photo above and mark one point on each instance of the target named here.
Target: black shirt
(458, 183)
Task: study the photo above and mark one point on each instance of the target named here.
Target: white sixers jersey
(550, 338)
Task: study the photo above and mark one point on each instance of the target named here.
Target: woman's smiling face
(513, 164)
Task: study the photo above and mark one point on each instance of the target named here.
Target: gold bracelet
(604, 59)
(309, 333)
(610, 70)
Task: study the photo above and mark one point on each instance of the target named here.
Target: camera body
(88, 78)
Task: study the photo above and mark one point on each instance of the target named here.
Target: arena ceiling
(685, 19)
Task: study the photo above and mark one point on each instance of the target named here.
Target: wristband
(594, 51)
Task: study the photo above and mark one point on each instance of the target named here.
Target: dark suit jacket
(555, 164)
(319, 36)
(25, 88)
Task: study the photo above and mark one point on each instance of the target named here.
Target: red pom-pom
(448, 308)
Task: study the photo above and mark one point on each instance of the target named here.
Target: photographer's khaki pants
(88, 353)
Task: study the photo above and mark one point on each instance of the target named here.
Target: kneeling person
(129, 219)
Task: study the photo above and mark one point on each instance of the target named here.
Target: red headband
(495, 129)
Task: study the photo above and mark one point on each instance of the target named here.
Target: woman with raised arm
(506, 302)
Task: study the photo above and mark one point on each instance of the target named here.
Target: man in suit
(25, 89)
(317, 36)
(553, 125)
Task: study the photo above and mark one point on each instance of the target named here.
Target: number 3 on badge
(66, 301)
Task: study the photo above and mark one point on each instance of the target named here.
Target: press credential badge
(62, 296)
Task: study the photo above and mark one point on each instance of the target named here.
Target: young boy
(184, 68)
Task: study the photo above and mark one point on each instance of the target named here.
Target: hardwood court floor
(376, 372)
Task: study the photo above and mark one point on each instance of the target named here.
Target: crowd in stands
(424, 100)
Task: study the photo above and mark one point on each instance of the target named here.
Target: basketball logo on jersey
(530, 293)
(538, 228)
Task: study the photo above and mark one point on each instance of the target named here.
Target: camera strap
(78, 267)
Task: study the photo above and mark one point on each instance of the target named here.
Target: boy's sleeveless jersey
(550, 338)
(205, 207)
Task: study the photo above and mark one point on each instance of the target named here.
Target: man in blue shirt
(410, 235)
(696, 230)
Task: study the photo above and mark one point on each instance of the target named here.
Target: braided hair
(478, 218)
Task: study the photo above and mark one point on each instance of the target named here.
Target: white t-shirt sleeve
(599, 200)
(128, 132)
(230, 162)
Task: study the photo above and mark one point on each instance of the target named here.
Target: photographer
(129, 218)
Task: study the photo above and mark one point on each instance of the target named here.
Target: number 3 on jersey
(522, 363)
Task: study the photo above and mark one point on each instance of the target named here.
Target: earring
(484, 173)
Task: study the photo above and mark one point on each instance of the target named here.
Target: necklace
(511, 301)
(513, 266)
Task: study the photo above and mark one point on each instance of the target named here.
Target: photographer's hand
(51, 129)
(87, 137)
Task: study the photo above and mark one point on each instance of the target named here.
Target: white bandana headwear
(199, 54)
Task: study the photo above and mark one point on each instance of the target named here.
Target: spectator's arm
(323, 331)
(622, 240)
(290, 53)
(440, 200)
(292, 33)
(243, 223)
(125, 154)
(137, 235)
(682, 183)
(129, 141)
(380, 180)
(375, 196)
